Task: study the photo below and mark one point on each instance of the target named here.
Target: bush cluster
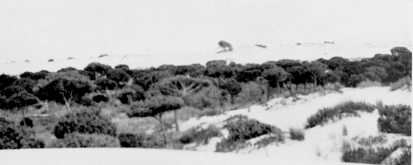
(371, 155)
(396, 119)
(129, 140)
(86, 141)
(242, 129)
(335, 113)
(199, 135)
(86, 122)
(15, 137)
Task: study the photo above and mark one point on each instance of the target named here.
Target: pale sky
(61, 29)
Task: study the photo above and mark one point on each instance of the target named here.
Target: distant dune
(241, 54)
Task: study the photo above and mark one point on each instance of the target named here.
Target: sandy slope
(141, 157)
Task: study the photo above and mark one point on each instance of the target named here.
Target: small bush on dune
(85, 141)
(395, 119)
(242, 129)
(368, 83)
(198, 135)
(334, 87)
(297, 134)
(346, 109)
(405, 82)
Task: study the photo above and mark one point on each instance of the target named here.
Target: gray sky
(61, 29)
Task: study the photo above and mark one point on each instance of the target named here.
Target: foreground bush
(297, 134)
(242, 129)
(372, 155)
(405, 82)
(128, 140)
(13, 136)
(346, 109)
(199, 135)
(86, 122)
(85, 141)
(396, 119)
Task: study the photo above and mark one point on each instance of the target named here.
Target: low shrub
(199, 135)
(345, 109)
(371, 155)
(128, 96)
(334, 87)
(129, 140)
(368, 83)
(210, 97)
(242, 129)
(251, 93)
(405, 82)
(266, 141)
(395, 119)
(297, 134)
(86, 122)
(85, 141)
(100, 98)
(230, 146)
(211, 112)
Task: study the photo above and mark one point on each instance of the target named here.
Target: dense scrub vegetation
(396, 119)
(74, 105)
(378, 155)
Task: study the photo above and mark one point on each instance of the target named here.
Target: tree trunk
(66, 103)
(24, 114)
(305, 87)
(289, 89)
(163, 130)
(268, 92)
(232, 99)
(68, 106)
(176, 120)
(46, 105)
(278, 88)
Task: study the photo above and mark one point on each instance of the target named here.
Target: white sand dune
(321, 142)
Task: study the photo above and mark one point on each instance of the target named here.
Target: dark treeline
(153, 91)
